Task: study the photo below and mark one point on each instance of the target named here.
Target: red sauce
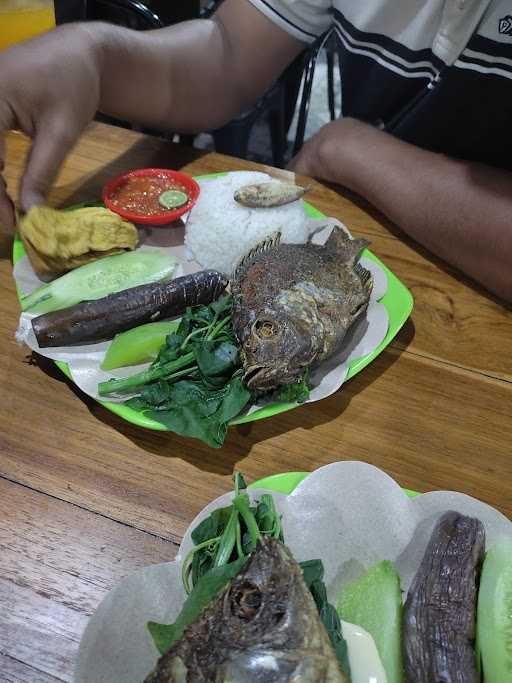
(139, 194)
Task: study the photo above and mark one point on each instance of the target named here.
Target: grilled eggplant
(439, 613)
(92, 321)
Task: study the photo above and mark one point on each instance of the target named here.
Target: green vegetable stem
(195, 385)
(227, 535)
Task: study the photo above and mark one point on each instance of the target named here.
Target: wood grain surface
(86, 498)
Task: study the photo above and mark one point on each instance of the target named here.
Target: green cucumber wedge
(100, 278)
(139, 345)
(374, 602)
(494, 614)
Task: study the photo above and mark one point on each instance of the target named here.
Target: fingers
(292, 164)
(52, 142)
(7, 221)
(298, 164)
(6, 205)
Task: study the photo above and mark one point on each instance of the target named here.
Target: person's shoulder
(304, 19)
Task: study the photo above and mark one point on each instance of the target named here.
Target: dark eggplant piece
(93, 321)
(439, 613)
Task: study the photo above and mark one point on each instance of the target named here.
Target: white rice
(220, 231)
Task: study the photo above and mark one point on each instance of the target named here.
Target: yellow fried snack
(58, 241)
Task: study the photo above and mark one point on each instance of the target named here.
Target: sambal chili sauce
(139, 194)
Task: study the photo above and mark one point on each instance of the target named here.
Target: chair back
(69, 10)
(325, 41)
(128, 13)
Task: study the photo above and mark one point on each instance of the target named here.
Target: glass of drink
(23, 19)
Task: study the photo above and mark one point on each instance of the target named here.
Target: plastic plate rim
(287, 482)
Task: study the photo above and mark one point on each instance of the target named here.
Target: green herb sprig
(222, 543)
(195, 386)
(230, 534)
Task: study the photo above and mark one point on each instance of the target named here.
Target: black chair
(69, 10)
(327, 43)
(128, 13)
(174, 11)
(332, 55)
(276, 107)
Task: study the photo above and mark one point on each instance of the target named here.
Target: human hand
(49, 89)
(326, 155)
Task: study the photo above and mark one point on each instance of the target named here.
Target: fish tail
(349, 249)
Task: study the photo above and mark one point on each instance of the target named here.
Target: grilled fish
(262, 628)
(294, 303)
(268, 195)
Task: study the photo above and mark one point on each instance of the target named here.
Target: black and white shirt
(437, 73)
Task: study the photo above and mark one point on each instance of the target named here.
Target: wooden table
(85, 498)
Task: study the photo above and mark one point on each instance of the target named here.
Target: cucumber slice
(140, 345)
(365, 663)
(99, 278)
(494, 614)
(374, 602)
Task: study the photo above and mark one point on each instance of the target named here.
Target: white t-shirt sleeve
(303, 19)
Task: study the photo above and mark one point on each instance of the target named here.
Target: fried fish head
(263, 627)
(277, 349)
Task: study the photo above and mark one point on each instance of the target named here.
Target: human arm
(188, 77)
(459, 210)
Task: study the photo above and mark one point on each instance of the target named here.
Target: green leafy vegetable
(195, 385)
(191, 409)
(215, 361)
(267, 518)
(165, 635)
(99, 278)
(313, 572)
(229, 534)
(298, 392)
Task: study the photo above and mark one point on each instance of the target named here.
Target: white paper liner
(84, 361)
(348, 514)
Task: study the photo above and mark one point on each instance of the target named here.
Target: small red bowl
(177, 180)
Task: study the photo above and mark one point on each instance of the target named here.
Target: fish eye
(265, 329)
(245, 599)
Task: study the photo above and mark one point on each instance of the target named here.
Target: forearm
(461, 211)
(192, 76)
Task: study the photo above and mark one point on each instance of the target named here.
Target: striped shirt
(436, 73)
